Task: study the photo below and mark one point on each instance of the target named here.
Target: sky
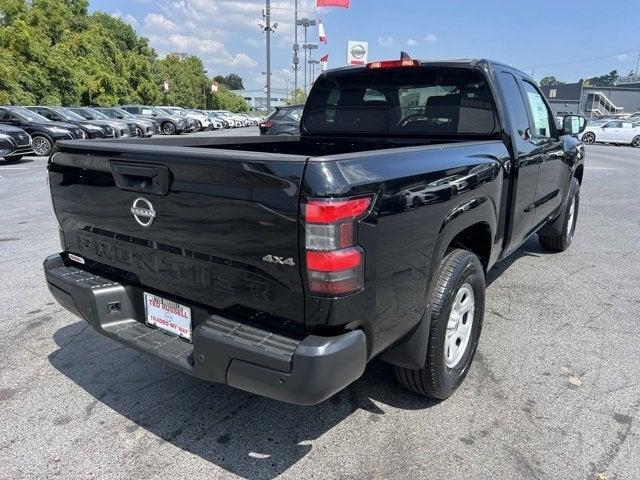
(567, 39)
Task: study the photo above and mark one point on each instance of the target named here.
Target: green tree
(607, 80)
(189, 84)
(550, 81)
(297, 97)
(232, 81)
(224, 99)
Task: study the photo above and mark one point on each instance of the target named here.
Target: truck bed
(296, 145)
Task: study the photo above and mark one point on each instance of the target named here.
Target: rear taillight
(335, 262)
(267, 124)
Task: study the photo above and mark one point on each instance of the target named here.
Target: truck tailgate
(190, 222)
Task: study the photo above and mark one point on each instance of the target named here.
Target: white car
(615, 131)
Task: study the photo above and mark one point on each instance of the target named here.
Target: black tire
(636, 141)
(14, 159)
(589, 138)
(168, 128)
(42, 145)
(139, 132)
(458, 269)
(559, 243)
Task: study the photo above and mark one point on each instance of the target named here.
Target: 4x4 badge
(279, 260)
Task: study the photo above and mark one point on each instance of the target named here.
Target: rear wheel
(589, 138)
(168, 128)
(636, 141)
(559, 243)
(456, 322)
(41, 145)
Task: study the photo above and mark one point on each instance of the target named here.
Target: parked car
(169, 124)
(202, 121)
(616, 131)
(249, 120)
(234, 122)
(44, 133)
(283, 121)
(145, 127)
(217, 117)
(14, 143)
(282, 266)
(134, 127)
(92, 130)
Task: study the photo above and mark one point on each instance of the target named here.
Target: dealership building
(623, 98)
(257, 99)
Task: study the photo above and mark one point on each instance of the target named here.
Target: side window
(539, 112)
(514, 102)
(5, 115)
(147, 111)
(627, 125)
(46, 113)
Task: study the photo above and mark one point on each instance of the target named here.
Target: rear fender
(411, 351)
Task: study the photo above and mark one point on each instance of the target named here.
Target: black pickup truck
(282, 265)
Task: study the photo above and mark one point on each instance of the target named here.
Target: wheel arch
(471, 230)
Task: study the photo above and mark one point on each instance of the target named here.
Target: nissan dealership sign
(357, 53)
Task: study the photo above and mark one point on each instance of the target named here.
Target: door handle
(553, 156)
(143, 178)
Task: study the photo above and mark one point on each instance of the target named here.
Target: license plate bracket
(169, 316)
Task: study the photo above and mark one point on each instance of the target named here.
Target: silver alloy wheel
(168, 128)
(572, 217)
(41, 146)
(459, 326)
(636, 141)
(589, 138)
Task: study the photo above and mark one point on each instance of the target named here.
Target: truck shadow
(530, 248)
(247, 435)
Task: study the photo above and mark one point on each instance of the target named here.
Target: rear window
(402, 101)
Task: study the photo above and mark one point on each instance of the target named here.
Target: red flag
(333, 3)
(324, 62)
(321, 32)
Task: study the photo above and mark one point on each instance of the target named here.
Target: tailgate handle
(144, 178)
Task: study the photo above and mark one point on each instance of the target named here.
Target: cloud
(431, 38)
(224, 33)
(623, 57)
(157, 22)
(130, 19)
(411, 42)
(387, 41)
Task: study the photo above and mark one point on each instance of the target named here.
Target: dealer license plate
(168, 315)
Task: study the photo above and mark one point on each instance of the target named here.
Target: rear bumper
(300, 371)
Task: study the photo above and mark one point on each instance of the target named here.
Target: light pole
(306, 23)
(268, 30)
(313, 64)
(296, 48)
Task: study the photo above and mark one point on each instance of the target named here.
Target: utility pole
(306, 23)
(296, 48)
(268, 30)
(313, 64)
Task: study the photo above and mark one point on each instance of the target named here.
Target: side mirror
(573, 124)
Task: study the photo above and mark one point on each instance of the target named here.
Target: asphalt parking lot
(554, 392)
